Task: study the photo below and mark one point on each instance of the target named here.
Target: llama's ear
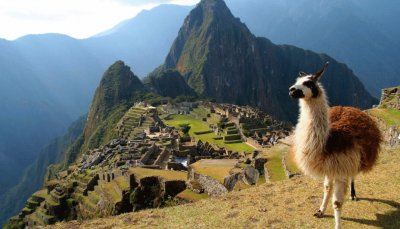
(317, 76)
(302, 74)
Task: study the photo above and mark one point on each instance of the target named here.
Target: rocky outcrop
(390, 98)
(250, 175)
(393, 136)
(230, 181)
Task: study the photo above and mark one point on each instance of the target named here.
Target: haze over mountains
(47, 81)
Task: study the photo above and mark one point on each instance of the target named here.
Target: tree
(185, 128)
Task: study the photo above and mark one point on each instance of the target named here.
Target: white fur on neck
(311, 132)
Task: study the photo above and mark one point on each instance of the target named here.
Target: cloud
(157, 2)
(77, 18)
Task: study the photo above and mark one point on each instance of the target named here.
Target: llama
(335, 144)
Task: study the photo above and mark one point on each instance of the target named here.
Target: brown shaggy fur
(351, 126)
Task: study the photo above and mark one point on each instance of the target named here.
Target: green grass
(192, 196)
(122, 183)
(217, 169)
(199, 126)
(274, 163)
(389, 116)
(166, 174)
(290, 162)
(109, 190)
(41, 193)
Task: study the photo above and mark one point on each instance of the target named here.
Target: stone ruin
(390, 98)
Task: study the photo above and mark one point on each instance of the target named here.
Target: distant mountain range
(47, 81)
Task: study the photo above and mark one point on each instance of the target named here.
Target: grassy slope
(284, 204)
(389, 116)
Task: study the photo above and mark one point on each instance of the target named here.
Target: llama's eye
(310, 84)
(314, 89)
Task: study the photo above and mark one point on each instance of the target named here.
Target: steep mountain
(117, 86)
(32, 178)
(118, 90)
(168, 83)
(219, 57)
(361, 34)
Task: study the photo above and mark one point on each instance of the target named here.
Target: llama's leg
(340, 188)
(328, 185)
(353, 191)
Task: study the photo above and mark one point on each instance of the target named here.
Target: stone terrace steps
(120, 184)
(93, 197)
(47, 219)
(109, 190)
(89, 204)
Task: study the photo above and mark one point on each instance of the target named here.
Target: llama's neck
(312, 129)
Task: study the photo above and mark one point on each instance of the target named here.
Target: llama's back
(351, 126)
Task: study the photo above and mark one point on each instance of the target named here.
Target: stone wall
(210, 185)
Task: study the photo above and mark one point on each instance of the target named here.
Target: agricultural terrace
(198, 125)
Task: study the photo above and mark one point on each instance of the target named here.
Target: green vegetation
(274, 164)
(166, 174)
(290, 162)
(192, 196)
(390, 97)
(185, 127)
(217, 169)
(389, 116)
(198, 126)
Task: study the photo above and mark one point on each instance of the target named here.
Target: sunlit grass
(166, 174)
(192, 196)
(217, 169)
(197, 125)
(389, 116)
(274, 165)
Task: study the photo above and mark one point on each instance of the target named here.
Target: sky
(76, 18)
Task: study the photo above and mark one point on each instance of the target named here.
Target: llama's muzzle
(296, 93)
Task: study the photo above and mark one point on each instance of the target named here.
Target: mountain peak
(220, 58)
(208, 11)
(209, 27)
(117, 86)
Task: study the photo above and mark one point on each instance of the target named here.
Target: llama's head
(307, 85)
